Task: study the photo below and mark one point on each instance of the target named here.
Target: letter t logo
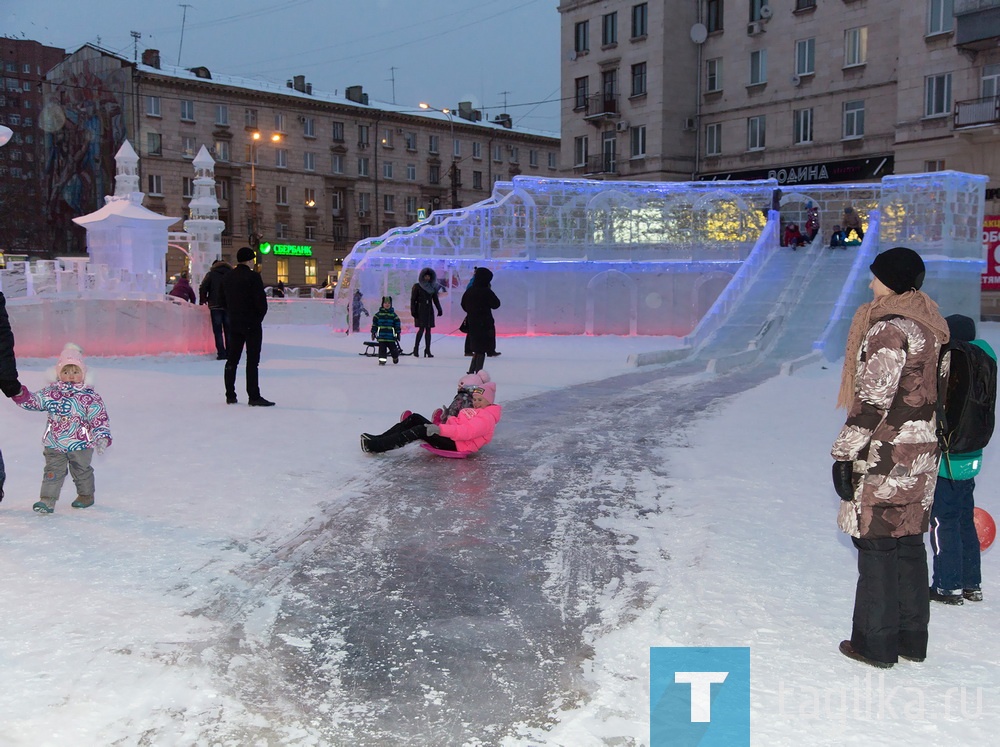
(701, 692)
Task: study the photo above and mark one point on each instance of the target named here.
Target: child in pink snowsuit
(78, 424)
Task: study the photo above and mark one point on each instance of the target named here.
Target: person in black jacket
(478, 303)
(243, 295)
(9, 384)
(210, 292)
(423, 301)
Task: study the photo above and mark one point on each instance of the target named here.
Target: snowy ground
(141, 620)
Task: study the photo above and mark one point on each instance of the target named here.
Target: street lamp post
(452, 171)
(253, 229)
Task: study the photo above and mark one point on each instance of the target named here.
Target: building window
(279, 122)
(713, 139)
(337, 201)
(188, 146)
(153, 106)
(411, 207)
(804, 4)
(854, 119)
(387, 138)
(856, 46)
(713, 75)
(609, 85)
(222, 115)
(337, 164)
(222, 190)
(514, 154)
(155, 185)
(713, 15)
(281, 158)
(755, 9)
(281, 195)
(411, 172)
(250, 118)
(432, 144)
(758, 67)
(433, 174)
(637, 141)
(533, 158)
(364, 201)
(582, 89)
(640, 20)
(498, 153)
(553, 163)
(387, 170)
(756, 130)
(281, 264)
(990, 85)
(309, 265)
(477, 151)
(802, 125)
(187, 110)
(805, 57)
(363, 135)
(935, 165)
(581, 37)
(940, 16)
(363, 166)
(309, 197)
(338, 132)
(309, 161)
(389, 203)
(580, 151)
(154, 144)
(410, 140)
(309, 127)
(639, 79)
(187, 186)
(456, 148)
(477, 179)
(221, 150)
(937, 95)
(609, 29)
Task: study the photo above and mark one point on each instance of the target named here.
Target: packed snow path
(451, 600)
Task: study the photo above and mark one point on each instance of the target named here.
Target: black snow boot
(390, 441)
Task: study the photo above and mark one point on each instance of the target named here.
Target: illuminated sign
(421, 213)
(286, 250)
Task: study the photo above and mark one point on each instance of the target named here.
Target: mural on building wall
(84, 123)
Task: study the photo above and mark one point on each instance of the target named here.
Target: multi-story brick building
(805, 91)
(310, 171)
(23, 64)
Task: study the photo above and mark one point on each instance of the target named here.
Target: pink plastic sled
(443, 453)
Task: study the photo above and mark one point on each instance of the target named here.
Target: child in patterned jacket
(78, 424)
(463, 398)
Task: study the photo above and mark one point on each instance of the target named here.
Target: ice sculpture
(574, 256)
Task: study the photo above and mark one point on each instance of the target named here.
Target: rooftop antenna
(504, 94)
(392, 77)
(136, 36)
(183, 22)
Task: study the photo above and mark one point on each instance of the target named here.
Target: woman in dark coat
(423, 301)
(478, 304)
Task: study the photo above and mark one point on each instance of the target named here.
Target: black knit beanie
(961, 327)
(900, 269)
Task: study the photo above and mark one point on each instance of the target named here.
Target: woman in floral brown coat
(887, 458)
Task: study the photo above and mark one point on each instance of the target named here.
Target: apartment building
(305, 172)
(798, 90)
(23, 63)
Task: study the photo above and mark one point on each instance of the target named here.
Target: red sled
(446, 454)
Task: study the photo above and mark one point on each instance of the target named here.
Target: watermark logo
(699, 697)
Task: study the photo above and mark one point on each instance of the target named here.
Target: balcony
(602, 106)
(603, 163)
(977, 24)
(977, 112)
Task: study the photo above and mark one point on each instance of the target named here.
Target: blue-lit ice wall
(576, 256)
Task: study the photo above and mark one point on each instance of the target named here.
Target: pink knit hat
(490, 391)
(71, 355)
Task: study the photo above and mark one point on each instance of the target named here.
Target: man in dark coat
(9, 384)
(423, 301)
(210, 292)
(244, 298)
(478, 303)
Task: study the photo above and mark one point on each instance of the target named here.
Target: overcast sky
(439, 51)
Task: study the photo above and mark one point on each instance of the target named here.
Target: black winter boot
(390, 441)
